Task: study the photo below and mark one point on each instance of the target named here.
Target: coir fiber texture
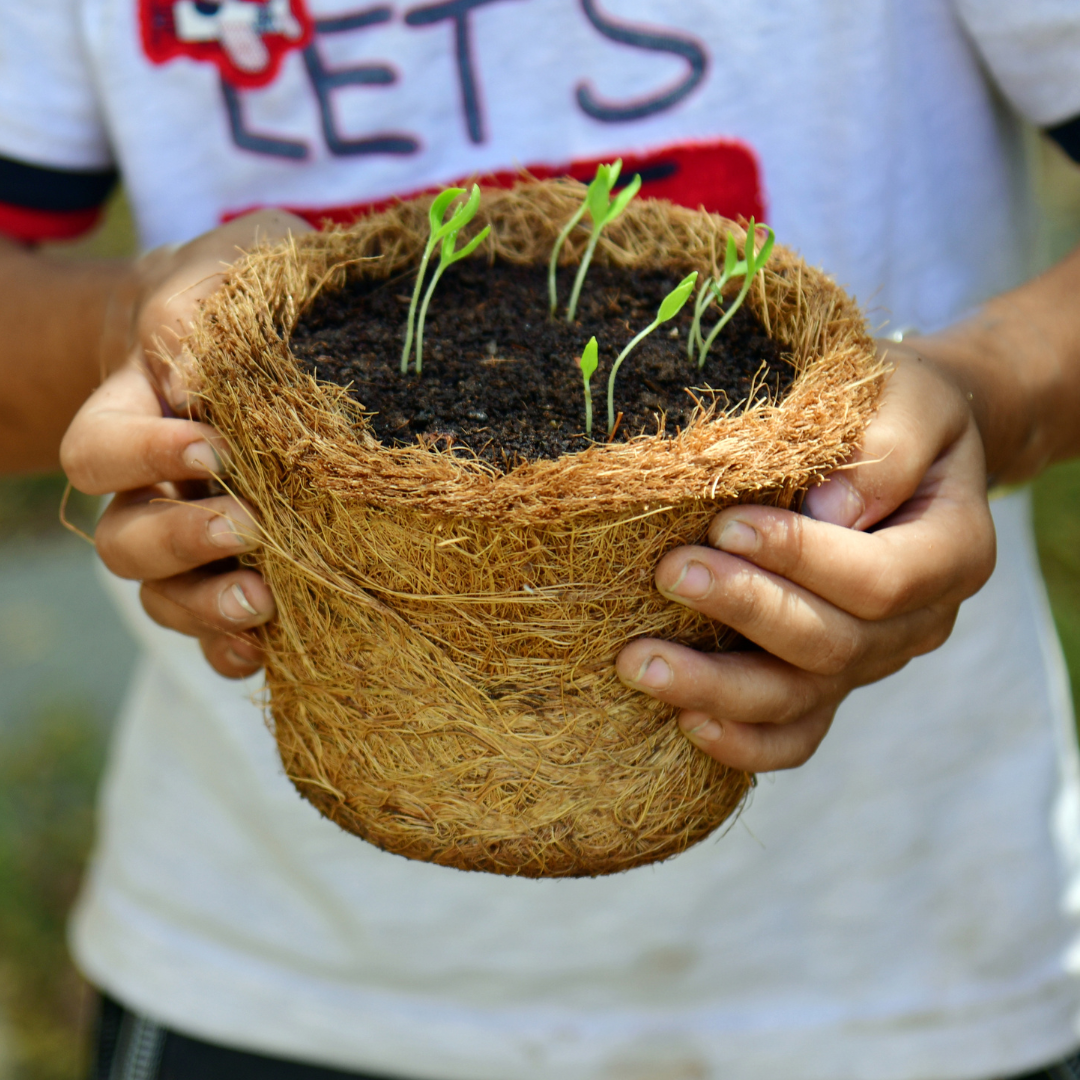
(440, 674)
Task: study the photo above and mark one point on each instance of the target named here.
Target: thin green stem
(423, 315)
(412, 306)
(583, 269)
(704, 298)
(588, 408)
(747, 282)
(615, 371)
(554, 262)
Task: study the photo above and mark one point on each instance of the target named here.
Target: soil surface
(499, 376)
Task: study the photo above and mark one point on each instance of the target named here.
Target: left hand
(833, 604)
(139, 435)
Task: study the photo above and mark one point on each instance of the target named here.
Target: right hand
(870, 575)
(139, 436)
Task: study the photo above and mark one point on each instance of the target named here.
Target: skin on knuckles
(836, 606)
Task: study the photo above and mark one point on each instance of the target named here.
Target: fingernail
(835, 502)
(201, 455)
(700, 729)
(235, 605)
(222, 533)
(240, 661)
(738, 538)
(655, 674)
(175, 389)
(693, 583)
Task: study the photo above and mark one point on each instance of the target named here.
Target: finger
(201, 604)
(183, 281)
(747, 710)
(788, 620)
(923, 413)
(758, 747)
(939, 549)
(141, 536)
(120, 441)
(235, 656)
(738, 687)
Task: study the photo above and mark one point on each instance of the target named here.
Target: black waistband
(131, 1047)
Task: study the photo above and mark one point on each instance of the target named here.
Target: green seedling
(587, 363)
(568, 228)
(671, 305)
(602, 209)
(753, 264)
(447, 257)
(439, 230)
(705, 297)
(713, 290)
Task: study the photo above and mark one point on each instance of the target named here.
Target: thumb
(178, 280)
(922, 414)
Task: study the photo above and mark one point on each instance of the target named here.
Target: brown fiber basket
(440, 674)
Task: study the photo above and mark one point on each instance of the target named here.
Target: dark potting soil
(499, 377)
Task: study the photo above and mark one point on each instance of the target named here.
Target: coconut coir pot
(441, 672)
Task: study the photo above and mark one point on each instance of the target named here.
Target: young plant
(671, 305)
(602, 210)
(587, 363)
(713, 290)
(447, 257)
(439, 230)
(754, 263)
(568, 228)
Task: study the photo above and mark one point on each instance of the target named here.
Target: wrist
(999, 390)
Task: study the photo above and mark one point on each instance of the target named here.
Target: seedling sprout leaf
(447, 257)
(747, 267)
(468, 249)
(464, 214)
(731, 258)
(589, 359)
(437, 210)
(598, 193)
(622, 200)
(762, 256)
(673, 303)
(438, 229)
(670, 306)
(601, 209)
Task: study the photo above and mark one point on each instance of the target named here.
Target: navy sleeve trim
(1067, 136)
(59, 190)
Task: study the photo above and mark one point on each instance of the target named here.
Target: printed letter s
(692, 52)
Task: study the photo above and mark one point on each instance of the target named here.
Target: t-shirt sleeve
(1032, 50)
(56, 168)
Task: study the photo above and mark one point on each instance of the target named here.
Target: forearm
(63, 326)
(1018, 359)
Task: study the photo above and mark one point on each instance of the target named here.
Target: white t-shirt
(900, 908)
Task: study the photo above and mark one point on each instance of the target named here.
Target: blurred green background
(65, 657)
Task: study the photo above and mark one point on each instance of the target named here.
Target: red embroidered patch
(721, 175)
(245, 39)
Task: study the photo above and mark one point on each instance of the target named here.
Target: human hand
(868, 577)
(139, 435)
